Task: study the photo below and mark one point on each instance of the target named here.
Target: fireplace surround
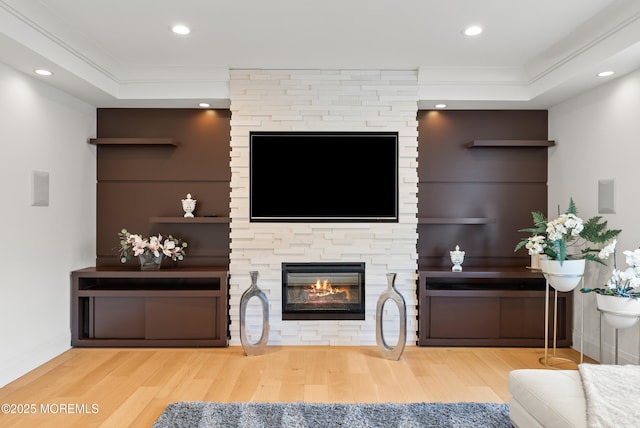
(336, 100)
(323, 291)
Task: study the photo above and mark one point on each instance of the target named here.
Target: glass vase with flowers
(151, 250)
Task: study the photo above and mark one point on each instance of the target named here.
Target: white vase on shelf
(563, 277)
(535, 262)
(188, 206)
(457, 257)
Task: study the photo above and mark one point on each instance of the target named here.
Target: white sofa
(547, 398)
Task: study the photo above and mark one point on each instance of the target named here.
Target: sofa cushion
(552, 398)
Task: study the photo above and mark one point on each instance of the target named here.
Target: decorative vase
(619, 312)
(391, 352)
(563, 277)
(188, 206)
(259, 347)
(148, 261)
(457, 257)
(535, 262)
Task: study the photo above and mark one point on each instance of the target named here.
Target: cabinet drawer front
(119, 318)
(464, 317)
(181, 317)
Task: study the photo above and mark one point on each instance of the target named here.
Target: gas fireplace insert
(323, 291)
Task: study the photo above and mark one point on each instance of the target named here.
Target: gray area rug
(313, 415)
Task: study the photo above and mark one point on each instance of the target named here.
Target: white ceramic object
(563, 277)
(457, 257)
(619, 312)
(535, 262)
(189, 206)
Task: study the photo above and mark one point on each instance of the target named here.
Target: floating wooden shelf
(456, 220)
(133, 141)
(511, 143)
(193, 220)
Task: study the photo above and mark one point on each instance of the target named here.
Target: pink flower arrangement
(133, 245)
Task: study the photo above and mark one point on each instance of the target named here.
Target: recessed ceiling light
(441, 105)
(204, 105)
(180, 29)
(43, 72)
(605, 73)
(474, 30)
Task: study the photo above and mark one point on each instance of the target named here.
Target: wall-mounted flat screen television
(323, 176)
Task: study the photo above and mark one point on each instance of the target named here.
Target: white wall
(598, 137)
(42, 129)
(324, 100)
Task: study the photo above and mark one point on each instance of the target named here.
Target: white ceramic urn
(457, 257)
(188, 205)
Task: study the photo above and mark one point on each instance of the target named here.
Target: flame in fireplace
(325, 289)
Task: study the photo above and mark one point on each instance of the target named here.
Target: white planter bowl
(563, 277)
(619, 312)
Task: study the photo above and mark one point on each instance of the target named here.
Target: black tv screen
(323, 176)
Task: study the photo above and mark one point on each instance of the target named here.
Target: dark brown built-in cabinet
(481, 174)
(147, 161)
(170, 307)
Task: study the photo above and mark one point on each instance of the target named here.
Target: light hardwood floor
(130, 387)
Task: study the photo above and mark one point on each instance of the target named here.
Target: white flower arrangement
(133, 245)
(622, 283)
(552, 238)
(606, 252)
(567, 226)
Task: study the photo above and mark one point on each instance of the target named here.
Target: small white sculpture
(188, 205)
(457, 257)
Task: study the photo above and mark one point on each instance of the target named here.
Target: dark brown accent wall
(479, 197)
(139, 186)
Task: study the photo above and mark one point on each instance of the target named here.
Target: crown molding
(562, 71)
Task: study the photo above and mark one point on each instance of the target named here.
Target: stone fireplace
(323, 291)
(323, 101)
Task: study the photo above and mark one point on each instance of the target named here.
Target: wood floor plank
(131, 387)
(290, 393)
(316, 393)
(140, 398)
